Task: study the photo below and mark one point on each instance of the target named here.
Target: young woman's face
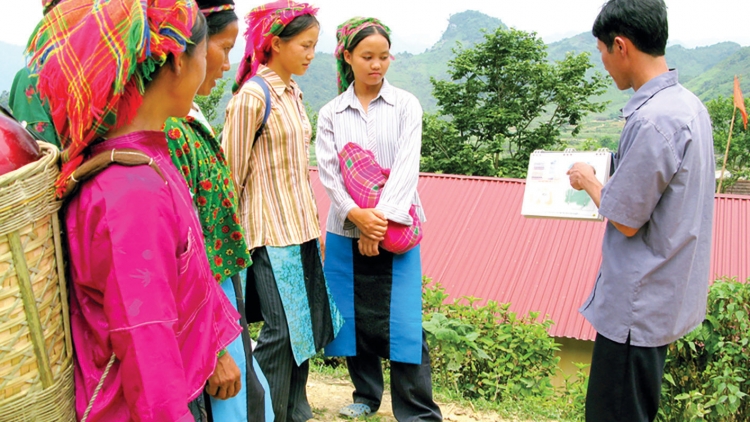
(217, 56)
(188, 77)
(296, 54)
(370, 60)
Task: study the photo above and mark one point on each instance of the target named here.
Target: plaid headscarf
(47, 5)
(93, 58)
(263, 23)
(344, 35)
(209, 7)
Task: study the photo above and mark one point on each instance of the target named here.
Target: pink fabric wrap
(364, 179)
(141, 288)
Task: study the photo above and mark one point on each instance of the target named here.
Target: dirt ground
(327, 395)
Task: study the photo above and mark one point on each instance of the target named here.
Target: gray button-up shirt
(654, 285)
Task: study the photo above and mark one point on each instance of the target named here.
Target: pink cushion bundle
(364, 179)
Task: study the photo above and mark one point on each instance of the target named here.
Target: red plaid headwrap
(93, 58)
(263, 23)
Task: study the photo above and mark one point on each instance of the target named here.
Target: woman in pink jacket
(149, 323)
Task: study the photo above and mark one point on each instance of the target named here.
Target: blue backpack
(264, 86)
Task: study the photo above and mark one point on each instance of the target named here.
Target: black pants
(411, 385)
(197, 408)
(273, 352)
(625, 381)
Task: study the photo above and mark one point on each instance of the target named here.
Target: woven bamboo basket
(36, 353)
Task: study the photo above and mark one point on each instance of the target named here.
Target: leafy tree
(209, 105)
(738, 161)
(504, 100)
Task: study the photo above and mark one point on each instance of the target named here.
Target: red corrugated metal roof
(476, 243)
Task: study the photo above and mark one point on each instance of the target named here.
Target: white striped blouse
(392, 130)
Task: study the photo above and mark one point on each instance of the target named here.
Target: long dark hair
(220, 20)
(346, 68)
(297, 26)
(197, 34)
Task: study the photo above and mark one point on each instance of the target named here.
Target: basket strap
(98, 388)
(96, 164)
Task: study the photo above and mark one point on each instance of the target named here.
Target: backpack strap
(264, 86)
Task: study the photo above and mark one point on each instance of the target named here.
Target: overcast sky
(418, 24)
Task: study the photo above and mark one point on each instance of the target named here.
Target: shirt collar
(197, 115)
(275, 81)
(648, 90)
(151, 143)
(349, 98)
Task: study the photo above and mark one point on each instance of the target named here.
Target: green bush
(487, 351)
(707, 375)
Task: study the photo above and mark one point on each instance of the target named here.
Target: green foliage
(487, 351)
(312, 115)
(504, 100)
(738, 161)
(209, 105)
(707, 375)
(572, 398)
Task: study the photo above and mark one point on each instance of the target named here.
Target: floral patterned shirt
(27, 107)
(199, 157)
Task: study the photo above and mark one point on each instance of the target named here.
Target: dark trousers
(197, 408)
(411, 385)
(625, 381)
(273, 352)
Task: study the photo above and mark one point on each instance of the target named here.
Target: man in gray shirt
(653, 281)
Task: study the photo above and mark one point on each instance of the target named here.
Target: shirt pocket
(192, 278)
(192, 262)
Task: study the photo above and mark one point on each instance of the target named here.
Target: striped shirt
(276, 201)
(392, 129)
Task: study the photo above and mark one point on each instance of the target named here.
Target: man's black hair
(643, 22)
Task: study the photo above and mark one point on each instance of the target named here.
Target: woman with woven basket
(368, 148)
(196, 151)
(148, 321)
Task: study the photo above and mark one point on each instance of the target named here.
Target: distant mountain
(690, 64)
(707, 71)
(408, 71)
(719, 80)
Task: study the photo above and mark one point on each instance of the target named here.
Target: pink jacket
(142, 288)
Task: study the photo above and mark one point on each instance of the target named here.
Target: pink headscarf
(263, 23)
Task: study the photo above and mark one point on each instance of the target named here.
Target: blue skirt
(239, 407)
(380, 298)
(312, 317)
